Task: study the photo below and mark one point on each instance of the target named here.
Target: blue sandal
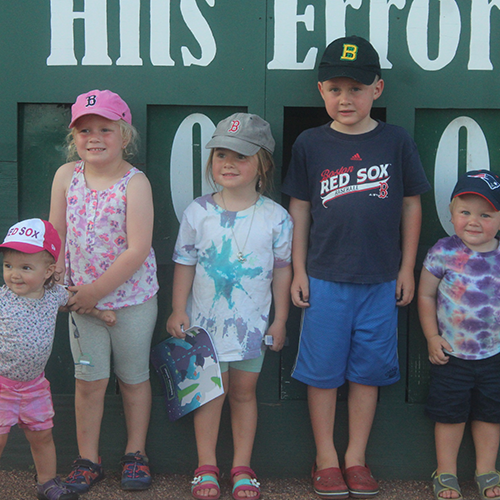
(206, 477)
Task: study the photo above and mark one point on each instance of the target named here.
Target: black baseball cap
(351, 57)
(484, 183)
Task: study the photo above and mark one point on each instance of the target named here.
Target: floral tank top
(96, 234)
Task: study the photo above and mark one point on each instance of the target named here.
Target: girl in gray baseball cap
(233, 255)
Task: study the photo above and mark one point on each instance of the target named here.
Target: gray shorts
(92, 343)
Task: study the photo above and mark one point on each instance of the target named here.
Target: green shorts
(246, 365)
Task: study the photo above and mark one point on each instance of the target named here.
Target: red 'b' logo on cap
(235, 126)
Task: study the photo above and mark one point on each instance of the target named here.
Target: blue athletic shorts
(464, 388)
(349, 332)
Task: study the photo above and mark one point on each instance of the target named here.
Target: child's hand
(83, 300)
(278, 332)
(300, 290)
(109, 317)
(405, 287)
(435, 346)
(177, 323)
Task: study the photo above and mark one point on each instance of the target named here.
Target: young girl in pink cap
(29, 302)
(102, 208)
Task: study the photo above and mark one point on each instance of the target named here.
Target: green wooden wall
(182, 65)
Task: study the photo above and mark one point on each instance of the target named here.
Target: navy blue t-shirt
(356, 185)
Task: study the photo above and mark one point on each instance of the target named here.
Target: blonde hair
(129, 134)
(265, 169)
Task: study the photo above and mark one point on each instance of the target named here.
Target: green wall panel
(179, 60)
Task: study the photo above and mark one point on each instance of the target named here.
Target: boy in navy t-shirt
(355, 186)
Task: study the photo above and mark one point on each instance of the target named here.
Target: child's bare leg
(448, 438)
(322, 404)
(3, 442)
(137, 408)
(486, 437)
(243, 401)
(362, 403)
(89, 408)
(44, 454)
(206, 429)
(108, 317)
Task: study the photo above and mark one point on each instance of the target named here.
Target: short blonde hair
(265, 169)
(129, 134)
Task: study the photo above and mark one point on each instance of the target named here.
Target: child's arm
(282, 279)
(183, 282)
(57, 216)
(108, 316)
(300, 211)
(411, 220)
(427, 300)
(139, 238)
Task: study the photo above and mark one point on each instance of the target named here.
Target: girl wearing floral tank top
(102, 208)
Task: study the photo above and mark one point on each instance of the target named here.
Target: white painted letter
(129, 33)
(449, 33)
(479, 54)
(160, 33)
(285, 36)
(446, 166)
(181, 161)
(379, 27)
(335, 14)
(62, 16)
(201, 31)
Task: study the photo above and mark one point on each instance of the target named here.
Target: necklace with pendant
(240, 254)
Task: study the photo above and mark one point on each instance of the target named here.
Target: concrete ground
(19, 485)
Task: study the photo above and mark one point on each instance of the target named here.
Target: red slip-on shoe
(329, 483)
(360, 482)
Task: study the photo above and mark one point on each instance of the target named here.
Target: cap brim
(492, 203)
(110, 115)
(22, 247)
(362, 76)
(234, 144)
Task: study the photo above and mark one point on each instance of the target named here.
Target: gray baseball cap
(244, 133)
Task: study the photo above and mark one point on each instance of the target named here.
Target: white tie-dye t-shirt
(468, 299)
(231, 299)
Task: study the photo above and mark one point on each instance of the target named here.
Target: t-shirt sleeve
(434, 263)
(185, 250)
(414, 179)
(62, 295)
(282, 240)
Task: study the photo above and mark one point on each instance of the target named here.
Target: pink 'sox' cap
(103, 103)
(33, 236)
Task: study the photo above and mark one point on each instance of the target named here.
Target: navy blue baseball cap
(351, 57)
(484, 183)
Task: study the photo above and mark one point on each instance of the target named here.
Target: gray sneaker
(55, 490)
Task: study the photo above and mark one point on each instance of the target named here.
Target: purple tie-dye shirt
(468, 300)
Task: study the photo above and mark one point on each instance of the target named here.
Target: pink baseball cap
(32, 236)
(103, 103)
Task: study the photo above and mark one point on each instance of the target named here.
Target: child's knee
(39, 438)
